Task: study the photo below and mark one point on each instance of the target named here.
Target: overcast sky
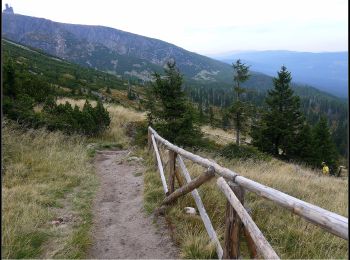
(210, 27)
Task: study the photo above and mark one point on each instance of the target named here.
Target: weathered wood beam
(233, 226)
(261, 243)
(251, 245)
(195, 183)
(178, 177)
(332, 222)
(149, 139)
(172, 161)
(193, 157)
(160, 166)
(202, 212)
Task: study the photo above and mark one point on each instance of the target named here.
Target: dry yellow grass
(44, 173)
(289, 235)
(220, 136)
(120, 117)
(41, 168)
(79, 102)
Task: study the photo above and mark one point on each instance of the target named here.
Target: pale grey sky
(210, 27)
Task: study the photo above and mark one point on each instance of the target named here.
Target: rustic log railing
(232, 185)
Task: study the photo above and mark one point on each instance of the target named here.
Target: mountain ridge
(96, 47)
(327, 71)
(34, 32)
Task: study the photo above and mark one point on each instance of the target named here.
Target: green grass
(45, 172)
(47, 175)
(290, 236)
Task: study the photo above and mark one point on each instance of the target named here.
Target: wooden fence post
(149, 138)
(178, 176)
(251, 245)
(195, 183)
(160, 166)
(233, 226)
(172, 168)
(263, 247)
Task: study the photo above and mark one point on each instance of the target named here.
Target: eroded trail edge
(121, 227)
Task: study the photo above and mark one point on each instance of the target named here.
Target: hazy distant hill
(328, 71)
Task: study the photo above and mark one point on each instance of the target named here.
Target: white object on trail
(190, 210)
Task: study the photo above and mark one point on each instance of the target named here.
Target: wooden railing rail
(160, 166)
(331, 222)
(261, 243)
(202, 212)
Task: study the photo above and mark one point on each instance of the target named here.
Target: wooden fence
(233, 186)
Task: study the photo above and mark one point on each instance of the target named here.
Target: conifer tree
(324, 147)
(239, 109)
(172, 114)
(211, 116)
(10, 88)
(150, 105)
(282, 121)
(201, 116)
(225, 122)
(304, 145)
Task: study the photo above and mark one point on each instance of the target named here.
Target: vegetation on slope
(289, 235)
(57, 71)
(284, 230)
(314, 104)
(47, 176)
(48, 181)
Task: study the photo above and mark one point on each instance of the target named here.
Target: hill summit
(8, 9)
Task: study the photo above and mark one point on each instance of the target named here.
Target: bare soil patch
(121, 227)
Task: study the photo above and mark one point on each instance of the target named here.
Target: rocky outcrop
(8, 9)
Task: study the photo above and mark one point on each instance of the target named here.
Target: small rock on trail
(121, 227)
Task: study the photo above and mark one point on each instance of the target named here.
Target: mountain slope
(110, 49)
(57, 71)
(328, 71)
(121, 53)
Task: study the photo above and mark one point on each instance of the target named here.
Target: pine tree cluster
(283, 131)
(169, 111)
(23, 91)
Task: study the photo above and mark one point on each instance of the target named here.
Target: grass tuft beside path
(45, 172)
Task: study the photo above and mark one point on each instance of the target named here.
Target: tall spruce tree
(324, 147)
(239, 109)
(282, 121)
(172, 115)
(304, 145)
(211, 116)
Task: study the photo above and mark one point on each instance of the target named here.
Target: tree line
(313, 105)
(279, 129)
(23, 91)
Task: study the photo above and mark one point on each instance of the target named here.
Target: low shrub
(233, 151)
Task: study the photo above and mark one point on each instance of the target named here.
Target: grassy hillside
(289, 235)
(57, 185)
(58, 71)
(46, 176)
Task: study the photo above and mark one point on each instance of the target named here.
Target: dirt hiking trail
(121, 227)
